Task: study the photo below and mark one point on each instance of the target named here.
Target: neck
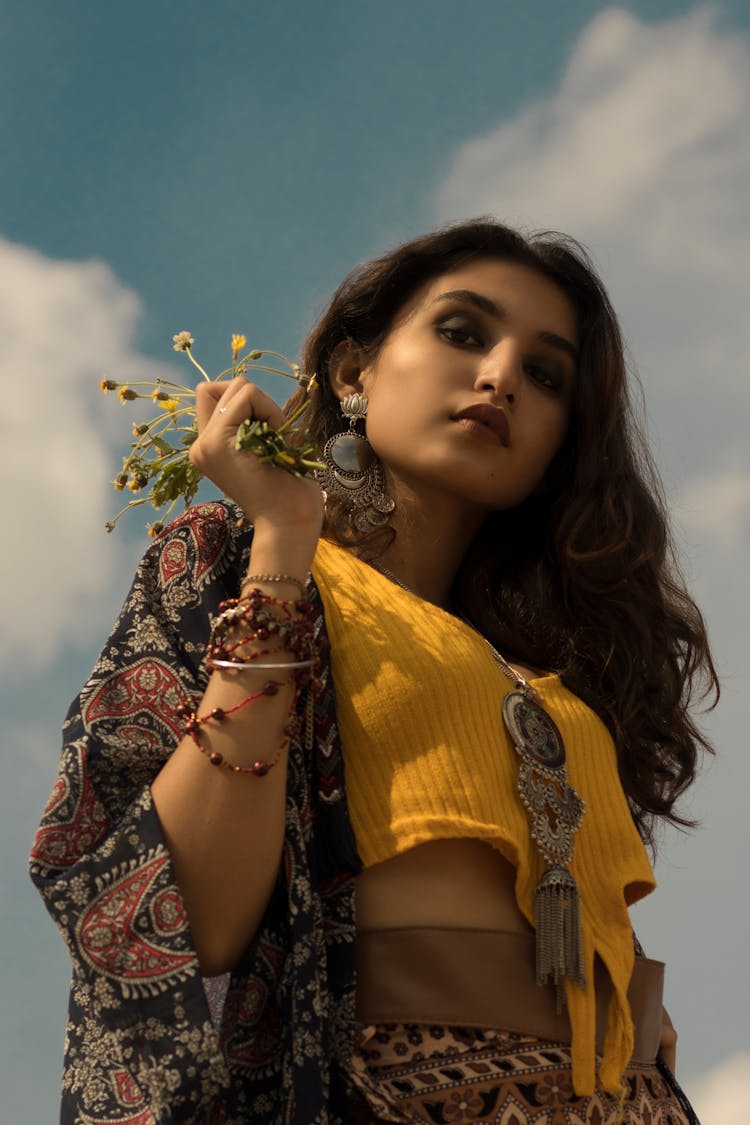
(431, 542)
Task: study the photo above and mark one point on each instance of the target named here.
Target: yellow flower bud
(107, 385)
(169, 403)
(238, 343)
(155, 529)
(125, 394)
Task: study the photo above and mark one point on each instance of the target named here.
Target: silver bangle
(254, 664)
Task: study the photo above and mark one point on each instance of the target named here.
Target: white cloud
(62, 325)
(723, 1096)
(646, 125)
(717, 507)
(643, 153)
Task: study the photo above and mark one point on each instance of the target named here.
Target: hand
(270, 497)
(668, 1041)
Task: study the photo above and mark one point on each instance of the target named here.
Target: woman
(476, 621)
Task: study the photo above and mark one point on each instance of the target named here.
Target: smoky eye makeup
(457, 328)
(546, 374)
(460, 328)
(462, 331)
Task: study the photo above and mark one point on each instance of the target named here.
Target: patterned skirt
(410, 1073)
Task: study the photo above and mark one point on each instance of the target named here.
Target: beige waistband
(487, 978)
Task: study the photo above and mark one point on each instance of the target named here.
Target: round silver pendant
(533, 731)
(349, 453)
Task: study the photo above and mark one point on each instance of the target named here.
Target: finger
(209, 395)
(242, 401)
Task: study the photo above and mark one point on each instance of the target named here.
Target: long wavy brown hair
(581, 578)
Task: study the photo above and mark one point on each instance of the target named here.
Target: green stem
(164, 458)
(293, 417)
(243, 367)
(195, 363)
(283, 358)
(168, 417)
(164, 516)
(167, 420)
(158, 382)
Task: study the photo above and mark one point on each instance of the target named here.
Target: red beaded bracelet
(194, 722)
(260, 624)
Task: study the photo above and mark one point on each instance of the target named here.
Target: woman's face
(494, 339)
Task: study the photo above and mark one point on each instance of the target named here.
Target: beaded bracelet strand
(253, 611)
(251, 619)
(230, 648)
(218, 653)
(250, 608)
(194, 722)
(235, 611)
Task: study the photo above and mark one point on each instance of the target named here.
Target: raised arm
(225, 830)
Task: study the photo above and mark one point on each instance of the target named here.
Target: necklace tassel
(559, 947)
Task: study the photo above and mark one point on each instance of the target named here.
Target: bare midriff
(461, 883)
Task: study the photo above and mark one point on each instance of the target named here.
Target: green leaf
(162, 445)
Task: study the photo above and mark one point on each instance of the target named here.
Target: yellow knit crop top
(419, 707)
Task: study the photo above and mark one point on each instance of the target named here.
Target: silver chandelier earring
(353, 471)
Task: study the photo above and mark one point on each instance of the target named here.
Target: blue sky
(172, 166)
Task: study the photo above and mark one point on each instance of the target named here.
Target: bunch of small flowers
(158, 458)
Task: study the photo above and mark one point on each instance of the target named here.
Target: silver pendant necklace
(555, 812)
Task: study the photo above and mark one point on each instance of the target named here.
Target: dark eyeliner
(549, 378)
(461, 325)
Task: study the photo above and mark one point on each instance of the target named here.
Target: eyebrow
(497, 312)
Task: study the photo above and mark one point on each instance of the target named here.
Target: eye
(458, 330)
(544, 376)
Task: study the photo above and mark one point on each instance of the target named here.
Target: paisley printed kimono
(141, 1047)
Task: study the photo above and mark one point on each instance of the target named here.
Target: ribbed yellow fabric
(419, 706)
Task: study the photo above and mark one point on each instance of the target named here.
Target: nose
(500, 371)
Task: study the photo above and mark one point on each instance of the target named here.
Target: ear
(345, 369)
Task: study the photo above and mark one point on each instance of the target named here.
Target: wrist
(257, 578)
(287, 551)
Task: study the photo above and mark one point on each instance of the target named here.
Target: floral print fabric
(141, 1046)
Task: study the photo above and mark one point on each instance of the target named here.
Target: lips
(491, 417)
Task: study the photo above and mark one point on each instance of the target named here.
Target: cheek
(383, 423)
(559, 424)
(390, 426)
(546, 441)
(398, 406)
